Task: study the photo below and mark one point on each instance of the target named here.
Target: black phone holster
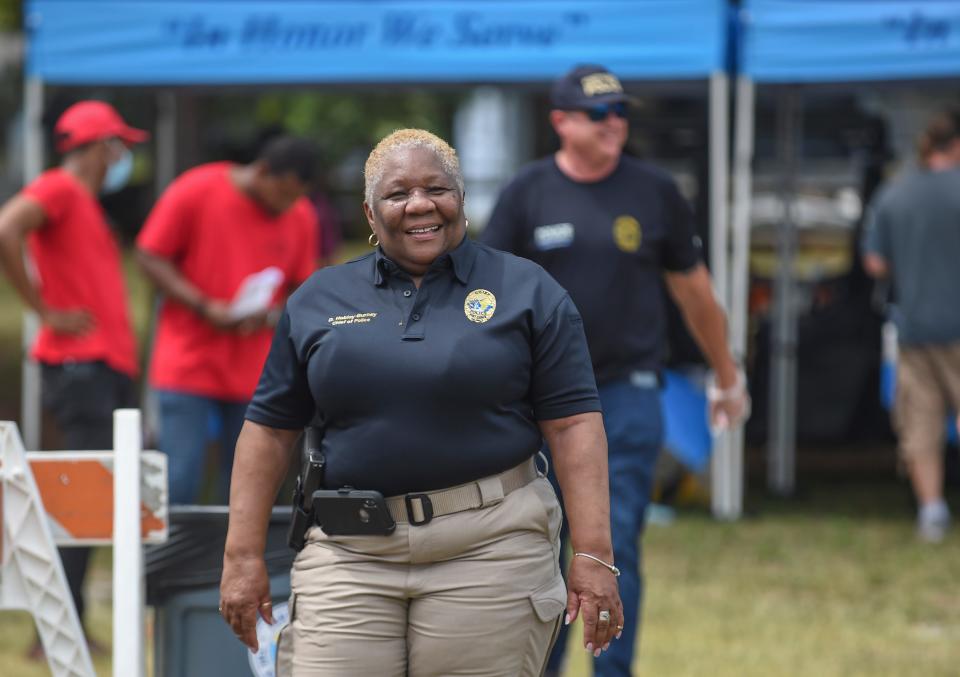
(343, 512)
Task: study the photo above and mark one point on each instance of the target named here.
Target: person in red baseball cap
(85, 345)
(88, 121)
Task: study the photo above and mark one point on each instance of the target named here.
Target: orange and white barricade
(74, 498)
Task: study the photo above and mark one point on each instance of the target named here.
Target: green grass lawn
(833, 584)
(830, 584)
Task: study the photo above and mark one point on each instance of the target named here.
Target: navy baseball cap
(587, 86)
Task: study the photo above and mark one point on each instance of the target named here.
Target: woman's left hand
(245, 591)
(591, 590)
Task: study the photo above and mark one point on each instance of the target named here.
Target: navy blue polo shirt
(607, 243)
(420, 389)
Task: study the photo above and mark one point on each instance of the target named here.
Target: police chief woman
(435, 367)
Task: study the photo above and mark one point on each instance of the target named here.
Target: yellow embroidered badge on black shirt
(479, 305)
(627, 233)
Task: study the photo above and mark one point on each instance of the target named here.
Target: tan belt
(419, 509)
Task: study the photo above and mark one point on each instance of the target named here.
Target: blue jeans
(187, 423)
(634, 426)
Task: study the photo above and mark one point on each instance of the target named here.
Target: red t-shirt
(217, 236)
(78, 262)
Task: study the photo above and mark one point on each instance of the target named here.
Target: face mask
(118, 173)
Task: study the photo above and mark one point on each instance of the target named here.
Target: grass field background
(833, 583)
(829, 583)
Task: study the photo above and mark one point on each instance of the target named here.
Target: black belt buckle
(425, 503)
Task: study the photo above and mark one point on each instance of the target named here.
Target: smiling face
(416, 209)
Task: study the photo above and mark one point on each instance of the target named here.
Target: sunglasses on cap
(600, 112)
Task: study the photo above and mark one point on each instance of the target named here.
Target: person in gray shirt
(913, 238)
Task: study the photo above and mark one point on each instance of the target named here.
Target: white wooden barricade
(80, 498)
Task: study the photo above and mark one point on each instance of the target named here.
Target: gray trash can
(183, 586)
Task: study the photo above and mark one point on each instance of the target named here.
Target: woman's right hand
(259, 465)
(245, 592)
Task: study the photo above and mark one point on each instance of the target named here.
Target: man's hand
(876, 266)
(218, 314)
(172, 283)
(73, 322)
(730, 406)
(727, 394)
(257, 321)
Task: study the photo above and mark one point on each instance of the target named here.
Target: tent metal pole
(781, 450)
(33, 155)
(719, 184)
(725, 485)
(165, 171)
(727, 497)
(166, 139)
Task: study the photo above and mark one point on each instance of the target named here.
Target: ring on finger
(604, 617)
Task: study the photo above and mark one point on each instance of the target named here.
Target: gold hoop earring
(373, 240)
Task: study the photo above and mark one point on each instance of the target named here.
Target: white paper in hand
(255, 292)
(262, 661)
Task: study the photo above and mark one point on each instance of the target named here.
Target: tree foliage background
(11, 15)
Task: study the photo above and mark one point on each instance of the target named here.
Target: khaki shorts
(477, 593)
(928, 388)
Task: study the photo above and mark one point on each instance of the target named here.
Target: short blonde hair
(401, 140)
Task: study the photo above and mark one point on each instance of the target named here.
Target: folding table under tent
(307, 42)
(810, 42)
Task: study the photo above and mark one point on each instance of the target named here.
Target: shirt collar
(462, 257)
(460, 260)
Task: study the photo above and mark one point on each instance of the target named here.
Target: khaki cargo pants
(476, 593)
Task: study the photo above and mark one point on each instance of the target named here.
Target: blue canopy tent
(810, 42)
(214, 42)
(308, 42)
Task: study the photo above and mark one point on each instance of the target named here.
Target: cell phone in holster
(352, 512)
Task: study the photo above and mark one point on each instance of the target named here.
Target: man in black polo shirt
(610, 229)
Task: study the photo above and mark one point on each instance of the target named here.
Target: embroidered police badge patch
(627, 233)
(479, 305)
